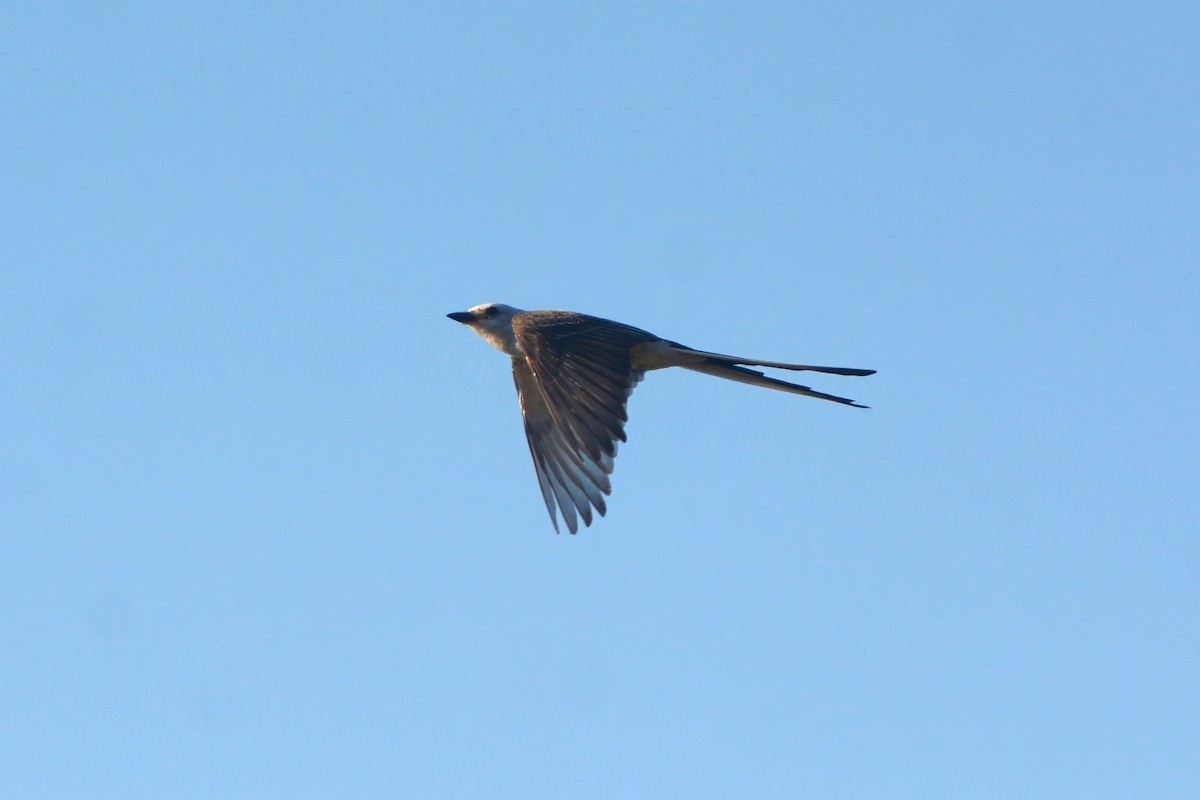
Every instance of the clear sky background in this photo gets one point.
(270, 527)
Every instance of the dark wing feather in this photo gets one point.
(573, 385)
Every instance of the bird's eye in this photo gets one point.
(491, 311)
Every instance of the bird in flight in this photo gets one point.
(574, 374)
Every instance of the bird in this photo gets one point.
(574, 374)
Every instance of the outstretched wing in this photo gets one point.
(573, 384)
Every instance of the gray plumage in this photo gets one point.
(574, 374)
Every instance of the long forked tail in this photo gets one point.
(727, 367)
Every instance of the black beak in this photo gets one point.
(461, 316)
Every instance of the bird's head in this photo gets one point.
(492, 321)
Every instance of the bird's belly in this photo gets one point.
(656, 355)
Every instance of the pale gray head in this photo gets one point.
(492, 321)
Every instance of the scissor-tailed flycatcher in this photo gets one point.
(574, 374)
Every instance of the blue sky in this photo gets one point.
(271, 528)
